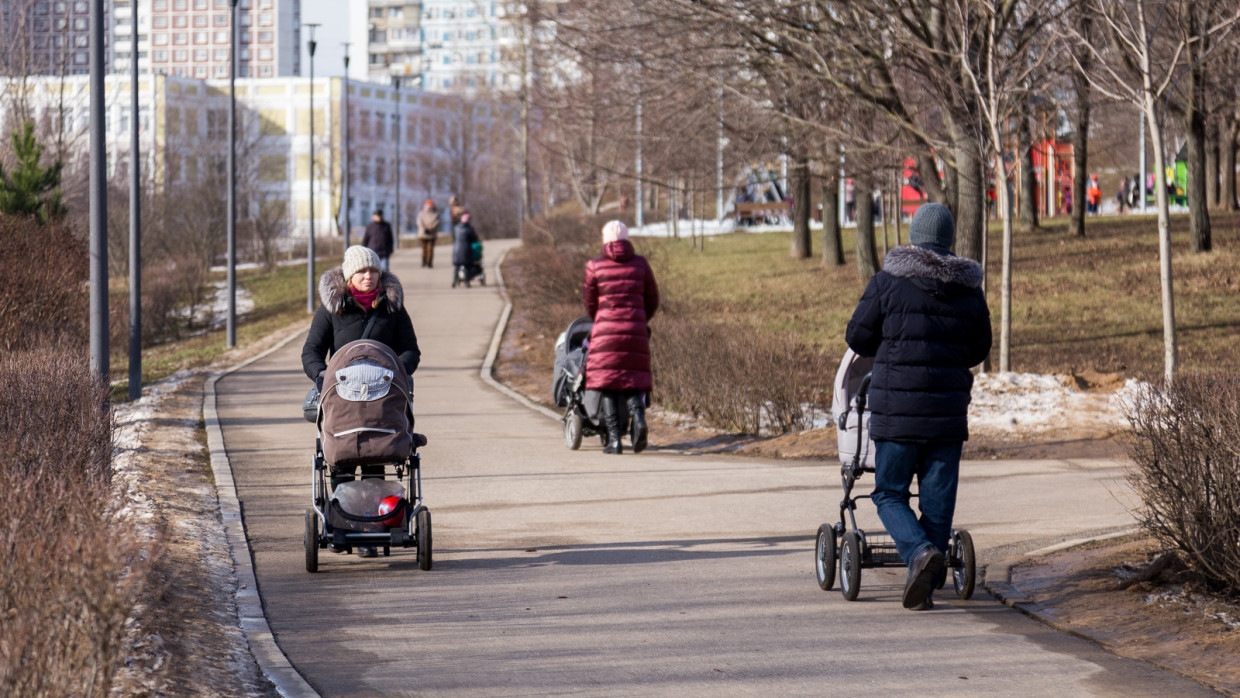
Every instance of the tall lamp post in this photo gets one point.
(231, 334)
(310, 248)
(345, 202)
(135, 220)
(396, 127)
(99, 358)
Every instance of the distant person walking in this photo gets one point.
(925, 321)
(1093, 195)
(456, 209)
(378, 237)
(428, 230)
(620, 296)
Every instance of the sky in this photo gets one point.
(333, 15)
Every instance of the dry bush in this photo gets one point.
(42, 299)
(737, 378)
(74, 565)
(1185, 449)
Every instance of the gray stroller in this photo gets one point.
(568, 386)
(844, 542)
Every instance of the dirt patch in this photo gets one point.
(1174, 625)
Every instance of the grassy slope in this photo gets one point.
(1078, 303)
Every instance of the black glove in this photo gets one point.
(318, 382)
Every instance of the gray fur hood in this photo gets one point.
(917, 262)
(334, 290)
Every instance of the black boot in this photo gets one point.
(611, 421)
(637, 410)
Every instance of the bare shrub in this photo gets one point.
(74, 566)
(42, 302)
(1185, 449)
(735, 377)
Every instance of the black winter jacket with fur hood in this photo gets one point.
(925, 321)
(340, 320)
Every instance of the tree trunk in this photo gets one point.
(1028, 183)
(1080, 156)
(928, 171)
(867, 255)
(802, 242)
(1170, 345)
(1213, 197)
(970, 210)
(1227, 158)
(832, 240)
(951, 188)
(1195, 125)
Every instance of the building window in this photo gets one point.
(200, 4)
(221, 37)
(265, 37)
(265, 71)
(180, 38)
(179, 5)
(159, 22)
(200, 21)
(200, 71)
(180, 22)
(244, 20)
(380, 168)
(201, 37)
(180, 55)
(245, 54)
(200, 55)
(264, 54)
(160, 56)
(264, 19)
(396, 12)
(159, 5)
(221, 71)
(220, 54)
(161, 39)
(221, 20)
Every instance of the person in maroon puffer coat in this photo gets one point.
(621, 296)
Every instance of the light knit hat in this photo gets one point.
(357, 258)
(932, 227)
(615, 230)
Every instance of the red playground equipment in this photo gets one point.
(1053, 194)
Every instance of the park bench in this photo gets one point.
(758, 209)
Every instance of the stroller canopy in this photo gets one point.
(366, 412)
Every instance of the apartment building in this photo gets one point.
(404, 146)
(50, 37)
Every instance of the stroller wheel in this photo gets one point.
(850, 565)
(482, 280)
(964, 572)
(572, 431)
(311, 540)
(824, 557)
(424, 539)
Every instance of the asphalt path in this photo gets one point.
(562, 572)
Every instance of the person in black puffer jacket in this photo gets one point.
(349, 294)
(925, 321)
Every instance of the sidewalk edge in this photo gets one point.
(488, 364)
(250, 617)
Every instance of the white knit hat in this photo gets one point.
(615, 230)
(357, 258)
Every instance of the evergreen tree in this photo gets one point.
(31, 189)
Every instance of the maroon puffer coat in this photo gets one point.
(621, 296)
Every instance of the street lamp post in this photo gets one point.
(396, 127)
(231, 334)
(135, 220)
(310, 248)
(99, 358)
(345, 201)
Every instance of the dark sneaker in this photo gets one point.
(332, 547)
(922, 574)
(367, 551)
(927, 605)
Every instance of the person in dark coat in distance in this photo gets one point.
(378, 237)
(925, 321)
(621, 296)
(358, 302)
(463, 238)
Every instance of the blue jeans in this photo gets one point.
(937, 469)
(383, 264)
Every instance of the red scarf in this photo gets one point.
(366, 300)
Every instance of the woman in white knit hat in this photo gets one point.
(359, 302)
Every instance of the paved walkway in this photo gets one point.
(561, 572)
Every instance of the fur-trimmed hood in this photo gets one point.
(334, 291)
(917, 262)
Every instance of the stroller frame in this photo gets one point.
(414, 531)
(849, 546)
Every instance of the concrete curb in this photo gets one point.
(250, 616)
(488, 364)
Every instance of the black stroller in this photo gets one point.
(852, 547)
(365, 419)
(568, 386)
(466, 273)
